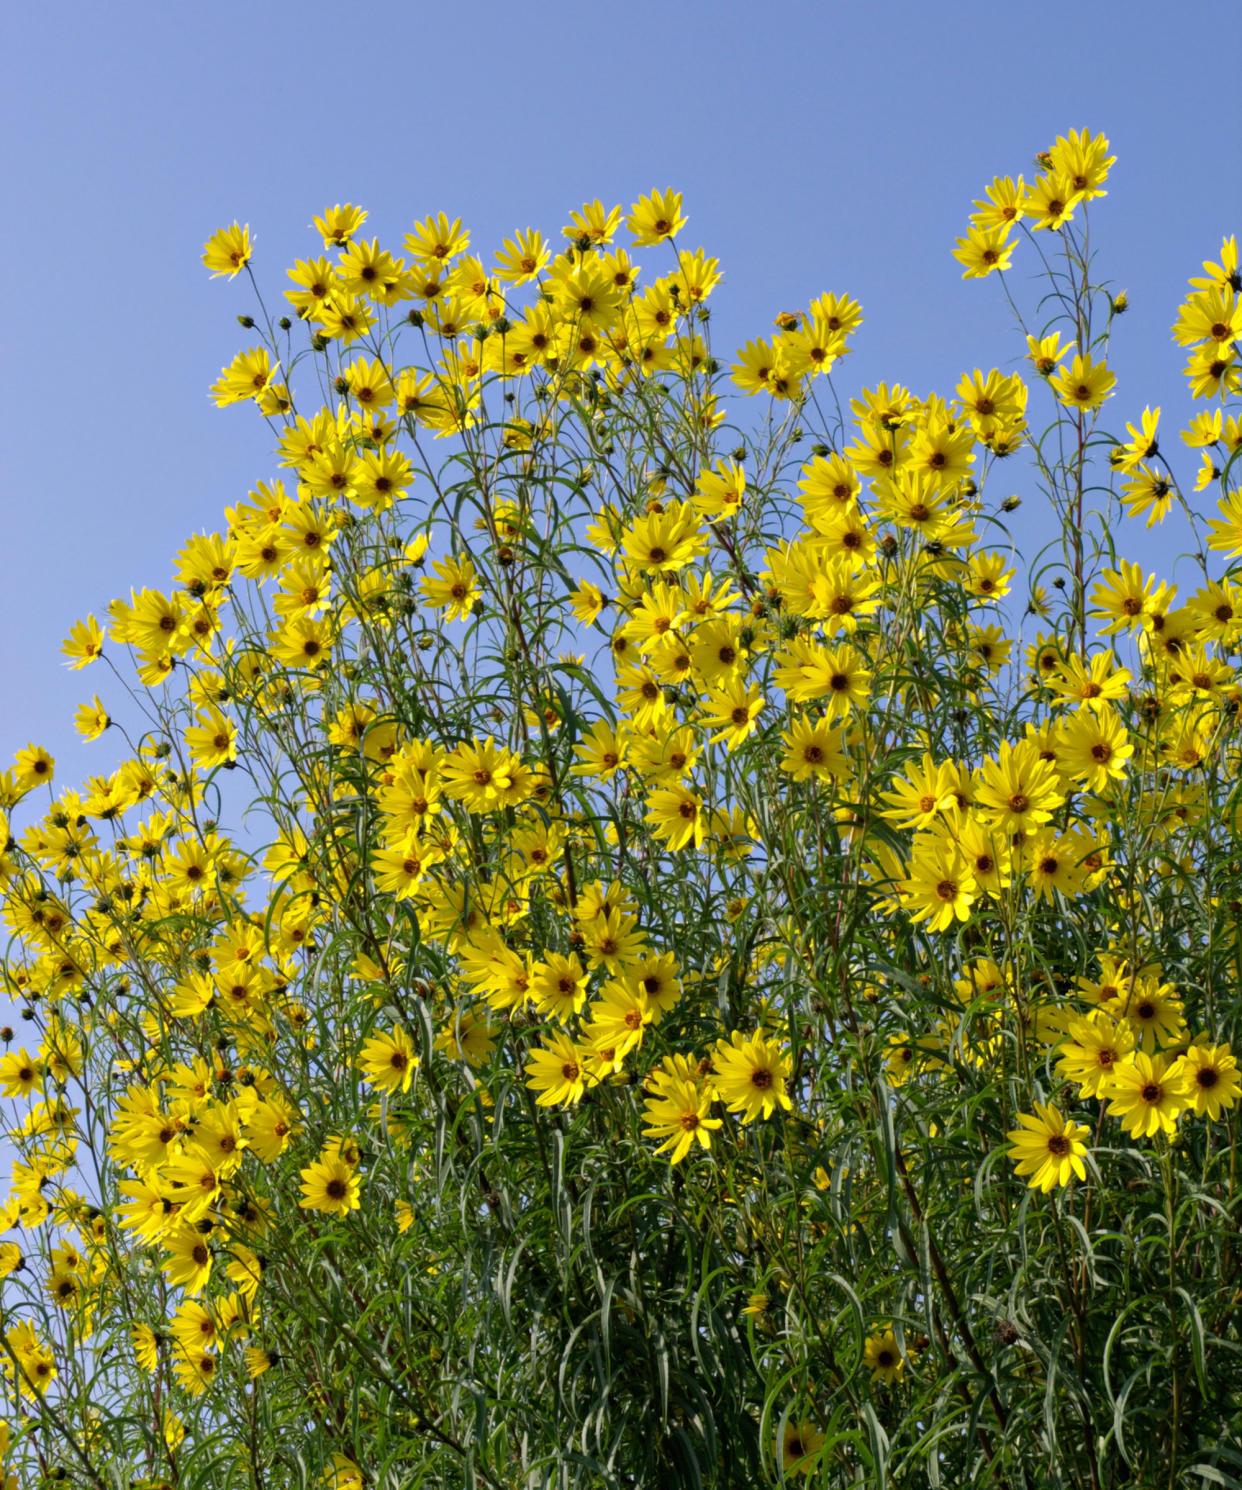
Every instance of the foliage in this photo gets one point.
(695, 993)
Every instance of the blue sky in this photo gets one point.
(818, 146)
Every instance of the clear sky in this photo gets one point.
(820, 146)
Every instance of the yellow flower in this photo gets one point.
(91, 719)
(468, 1036)
(485, 777)
(558, 986)
(258, 1361)
(330, 1185)
(1093, 746)
(1125, 600)
(984, 250)
(940, 887)
(812, 749)
(302, 643)
(1148, 1093)
(213, 740)
(522, 257)
(720, 492)
(146, 1346)
(1142, 444)
(388, 1061)
(403, 866)
(436, 239)
(812, 348)
(1149, 492)
(1094, 1046)
(808, 672)
(342, 1474)
(339, 224)
(1085, 384)
(1097, 683)
(1003, 206)
(679, 1113)
(32, 766)
(1154, 1013)
(618, 1021)
(1211, 1073)
(1048, 1147)
(1044, 353)
(558, 1072)
(84, 643)
(656, 218)
(228, 251)
(677, 817)
(663, 542)
(750, 1075)
(1083, 160)
(247, 376)
(1018, 790)
(594, 222)
(455, 589)
(800, 1446)
(1213, 369)
(188, 1261)
(922, 794)
(195, 1369)
(1050, 202)
(883, 1358)
(1213, 316)
(36, 1365)
(732, 711)
(1225, 534)
(345, 317)
(587, 601)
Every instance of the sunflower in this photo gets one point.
(800, 1445)
(751, 1072)
(330, 1185)
(1048, 1147)
(882, 1356)
(1211, 1073)
(1148, 1093)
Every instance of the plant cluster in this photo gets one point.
(719, 972)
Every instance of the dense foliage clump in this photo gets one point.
(633, 941)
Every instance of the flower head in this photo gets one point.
(1048, 1147)
(751, 1072)
(1148, 1093)
(228, 251)
(1211, 1074)
(882, 1356)
(388, 1061)
(330, 1185)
